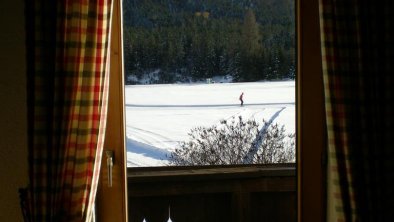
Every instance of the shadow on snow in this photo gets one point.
(145, 149)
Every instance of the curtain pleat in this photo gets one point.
(357, 52)
(67, 61)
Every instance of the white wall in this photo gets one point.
(13, 123)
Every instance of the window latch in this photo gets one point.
(110, 164)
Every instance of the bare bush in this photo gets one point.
(236, 142)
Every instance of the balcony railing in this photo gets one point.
(220, 193)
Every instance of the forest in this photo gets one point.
(192, 40)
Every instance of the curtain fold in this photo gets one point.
(68, 75)
(358, 56)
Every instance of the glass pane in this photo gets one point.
(209, 82)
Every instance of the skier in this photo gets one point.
(241, 98)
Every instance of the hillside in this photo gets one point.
(189, 40)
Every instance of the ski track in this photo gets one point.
(152, 134)
(239, 113)
(157, 145)
(150, 138)
(146, 149)
(205, 105)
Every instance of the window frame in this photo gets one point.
(111, 202)
(310, 123)
(310, 115)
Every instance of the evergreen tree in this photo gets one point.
(251, 45)
(210, 37)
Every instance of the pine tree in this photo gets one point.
(251, 38)
(171, 35)
(251, 47)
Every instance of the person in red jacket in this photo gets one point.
(241, 98)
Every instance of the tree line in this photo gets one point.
(193, 40)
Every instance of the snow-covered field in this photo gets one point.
(158, 117)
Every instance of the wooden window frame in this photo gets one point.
(310, 122)
(111, 202)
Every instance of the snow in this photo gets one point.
(158, 117)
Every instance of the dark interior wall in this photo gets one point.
(13, 123)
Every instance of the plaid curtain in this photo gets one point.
(68, 62)
(358, 56)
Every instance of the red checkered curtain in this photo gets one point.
(358, 56)
(68, 62)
